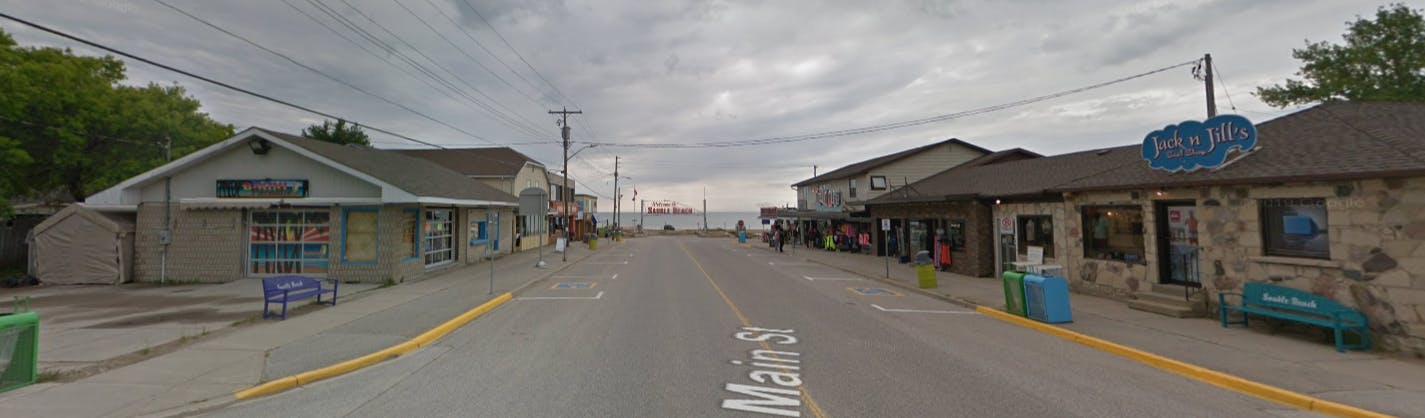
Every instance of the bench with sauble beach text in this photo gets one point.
(1297, 306)
(283, 289)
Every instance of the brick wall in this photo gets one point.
(207, 245)
(977, 257)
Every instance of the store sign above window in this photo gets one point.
(1194, 145)
(266, 188)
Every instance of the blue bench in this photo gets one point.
(1298, 306)
(283, 289)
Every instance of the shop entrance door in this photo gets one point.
(1177, 244)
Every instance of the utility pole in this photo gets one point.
(564, 194)
(1207, 81)
(165, 236)
(640, 214)
(705, 209)
(617, 197)
(813, 170)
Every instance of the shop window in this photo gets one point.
(439, 232)
(955, 233)
(852, 186)
(1295, 228)
(479, 230)
(1037, 231)
(1113, 233)
(878, 183)
(359, 236)
(410, 229)
(288, 242)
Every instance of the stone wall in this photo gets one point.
(977, 257)
(1376, 230)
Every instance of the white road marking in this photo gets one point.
(615, 277)
(618, 263)
(773, 263)
(922, 310)
(834, 279)
(598, 296)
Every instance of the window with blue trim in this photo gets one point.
(479, 232)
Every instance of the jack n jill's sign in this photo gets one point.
(1193, 145)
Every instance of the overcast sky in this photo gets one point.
(696, 71)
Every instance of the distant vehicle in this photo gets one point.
(667, 227)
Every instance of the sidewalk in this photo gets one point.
(1372, 381)
(205, 374)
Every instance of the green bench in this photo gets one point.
(1297, 306)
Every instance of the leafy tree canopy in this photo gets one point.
(69, 127)
(338, 133)
(1382, 60)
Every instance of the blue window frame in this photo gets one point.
(480, 232)
(361, 244)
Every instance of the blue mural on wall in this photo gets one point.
(1193, 145)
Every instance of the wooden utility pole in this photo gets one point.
(617, 197)
(1207, 81)
(564, 194)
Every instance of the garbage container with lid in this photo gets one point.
(925, 270)
(1013, 292)
(19, 347)
(593, 242)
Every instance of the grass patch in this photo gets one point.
(388, 283)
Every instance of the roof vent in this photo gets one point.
(1102, 151)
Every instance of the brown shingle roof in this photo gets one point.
(1029, 176)
(417, 176)
(476, 162)
(1331, 141)
(867, 165)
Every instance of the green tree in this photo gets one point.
(1382, 60)
(80, 129)
(338, 133)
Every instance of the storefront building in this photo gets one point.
(502, 168)
(264, 203)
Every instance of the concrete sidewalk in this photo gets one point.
(1373, 381)
(205, 374)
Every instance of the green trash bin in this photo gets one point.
(1014, 292)
(593, 243)
(925, 270)
(19, 347)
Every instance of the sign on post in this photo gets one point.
(1006, 225)
(885, 224)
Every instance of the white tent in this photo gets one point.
(80, 245)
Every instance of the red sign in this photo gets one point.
(769, 213)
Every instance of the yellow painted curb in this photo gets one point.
(426, 338)
(1213, 377)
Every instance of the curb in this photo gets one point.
(425, 339)
(1212, 377)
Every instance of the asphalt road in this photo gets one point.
(660, 327)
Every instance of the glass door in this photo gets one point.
(1178, 244)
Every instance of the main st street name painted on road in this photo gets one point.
(785, 373)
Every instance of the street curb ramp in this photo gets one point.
(1213, 377)
(427, 338)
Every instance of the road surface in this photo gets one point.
(686, 326)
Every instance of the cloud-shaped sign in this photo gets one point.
(1192, 145)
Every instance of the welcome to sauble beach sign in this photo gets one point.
(1193, 145)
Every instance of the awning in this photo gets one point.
(205, 203)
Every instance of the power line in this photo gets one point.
(368, 51)
(894, 125)
(491, 54)
(498, 115)
(1223, 83)
(518, 54)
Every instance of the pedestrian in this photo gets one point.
(784, 236)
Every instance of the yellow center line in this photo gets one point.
(806, 395)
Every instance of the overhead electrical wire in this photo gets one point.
(225, 85)
(319, 72)
(889, 126)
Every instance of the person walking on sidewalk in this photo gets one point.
(785, 236)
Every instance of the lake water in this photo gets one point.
(726, 220)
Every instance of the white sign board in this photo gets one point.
(559, 245)
(885, 224)
(1006, 225)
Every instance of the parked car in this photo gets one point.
(667, 227)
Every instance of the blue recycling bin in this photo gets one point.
(1046, 299)
(741, 237)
